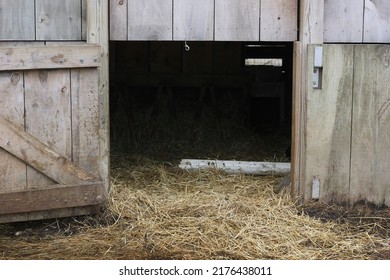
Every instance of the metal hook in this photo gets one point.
(186, 46)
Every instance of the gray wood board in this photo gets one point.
(193, 20)
(370, 160)
(328, 131)
(237, 20)
(58, 20)
(150, 20)
(17, 20)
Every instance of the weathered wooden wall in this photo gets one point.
(348, 124)
(48, 20)
(358, 21)
(204, 20)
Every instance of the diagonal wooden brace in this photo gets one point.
(30, 150)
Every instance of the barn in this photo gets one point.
(317, 69)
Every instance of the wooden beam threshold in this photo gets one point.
(30, 150)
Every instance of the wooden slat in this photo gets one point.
(376, 21)
(310, 32)
(370, 159)
(328, 132)
(58, 20)
(193, 20)
(150, 20)
(97, 33)
(85, 119)
(343, 20)
(296, 125)
(16, 141)
(24, 58)
(84, 20)
(53, 197)
(12, 170)
(17, 20)
(237, 20)
(48, 114)
(279, 20)
(50, 214)
(118, 20)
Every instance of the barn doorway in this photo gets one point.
(208, 100)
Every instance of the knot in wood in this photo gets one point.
(15, 78)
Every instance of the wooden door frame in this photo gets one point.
(311, 28)
(97, 33)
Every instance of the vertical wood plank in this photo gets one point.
(310, 32)
(370, 159)
(48, 114)
(58, 20)
(295, 122)
(278, 20)
(12, 170)
(343, 21)
(85, 119)
(97, 33)
(17, 20)
(118, 20)
(377, 21)
(328, 132)
(150, 20)
(237, 20)
(84, 20)
(193, 20)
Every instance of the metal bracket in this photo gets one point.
(315, 188)
(318, 65)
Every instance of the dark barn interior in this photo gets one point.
(210, 100)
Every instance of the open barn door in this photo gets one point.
(348, 123)
(53, 144)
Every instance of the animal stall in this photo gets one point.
(209, 66)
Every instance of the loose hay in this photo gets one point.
(156, 211)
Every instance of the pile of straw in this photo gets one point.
(156, 211)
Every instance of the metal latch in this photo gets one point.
(318, 65)
(315, 188)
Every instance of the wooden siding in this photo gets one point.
(358, 21)
(328, 132)
(348, 121)
(237, 20)
(118, 17)
(377, 21)
(12, 170)
(150, 20)
(193, 20)
(278, 20)
(47, 20)
(17, 20)
(370, 159)
(343, 21)
(203, 20)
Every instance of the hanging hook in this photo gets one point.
(186, 46)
